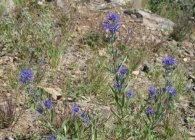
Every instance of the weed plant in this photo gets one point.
(7, 113)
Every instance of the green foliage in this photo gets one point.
(135, 57)
(93, 39)
(181, 12)
(30, 33)
(96, 81)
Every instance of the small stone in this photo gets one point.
(192, 77)
(135, 73)
(192, 134)
(54, 92)
(102, 52)
(156, 55)
(40, 2)
(185, 59)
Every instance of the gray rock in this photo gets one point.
(192, 134)
(97, 5)
(153, 21)
(56, 93)
(134, 3)
(136, 73)
(137, 3)
(191, 77)
(121, 2)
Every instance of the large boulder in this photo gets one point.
(152, 20)
(121, 2)
(134, 3)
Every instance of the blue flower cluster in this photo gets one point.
(130, 93)
(152, 92)
(85, 117)
(119, 79)
(150, 111)
(118, 85)
(48, 104)
(52, 137)
(168, 63)
(40, 110)
(113, 23)
(75, 111)
(25, 76)
(171, 90)
(123, 70)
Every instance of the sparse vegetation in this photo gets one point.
(100, 88)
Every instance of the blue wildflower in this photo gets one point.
(150, 111)
(123, 70)
(152, 92)
(48, 104)
(112, 23)
(85, 117)
(118, 85)
(130, 93)
(52, 137)
(25, 76)
(113, 17)
(75, 109)
(168, 63)
(40, 110)
(171, 90)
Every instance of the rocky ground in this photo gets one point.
(140, 29)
